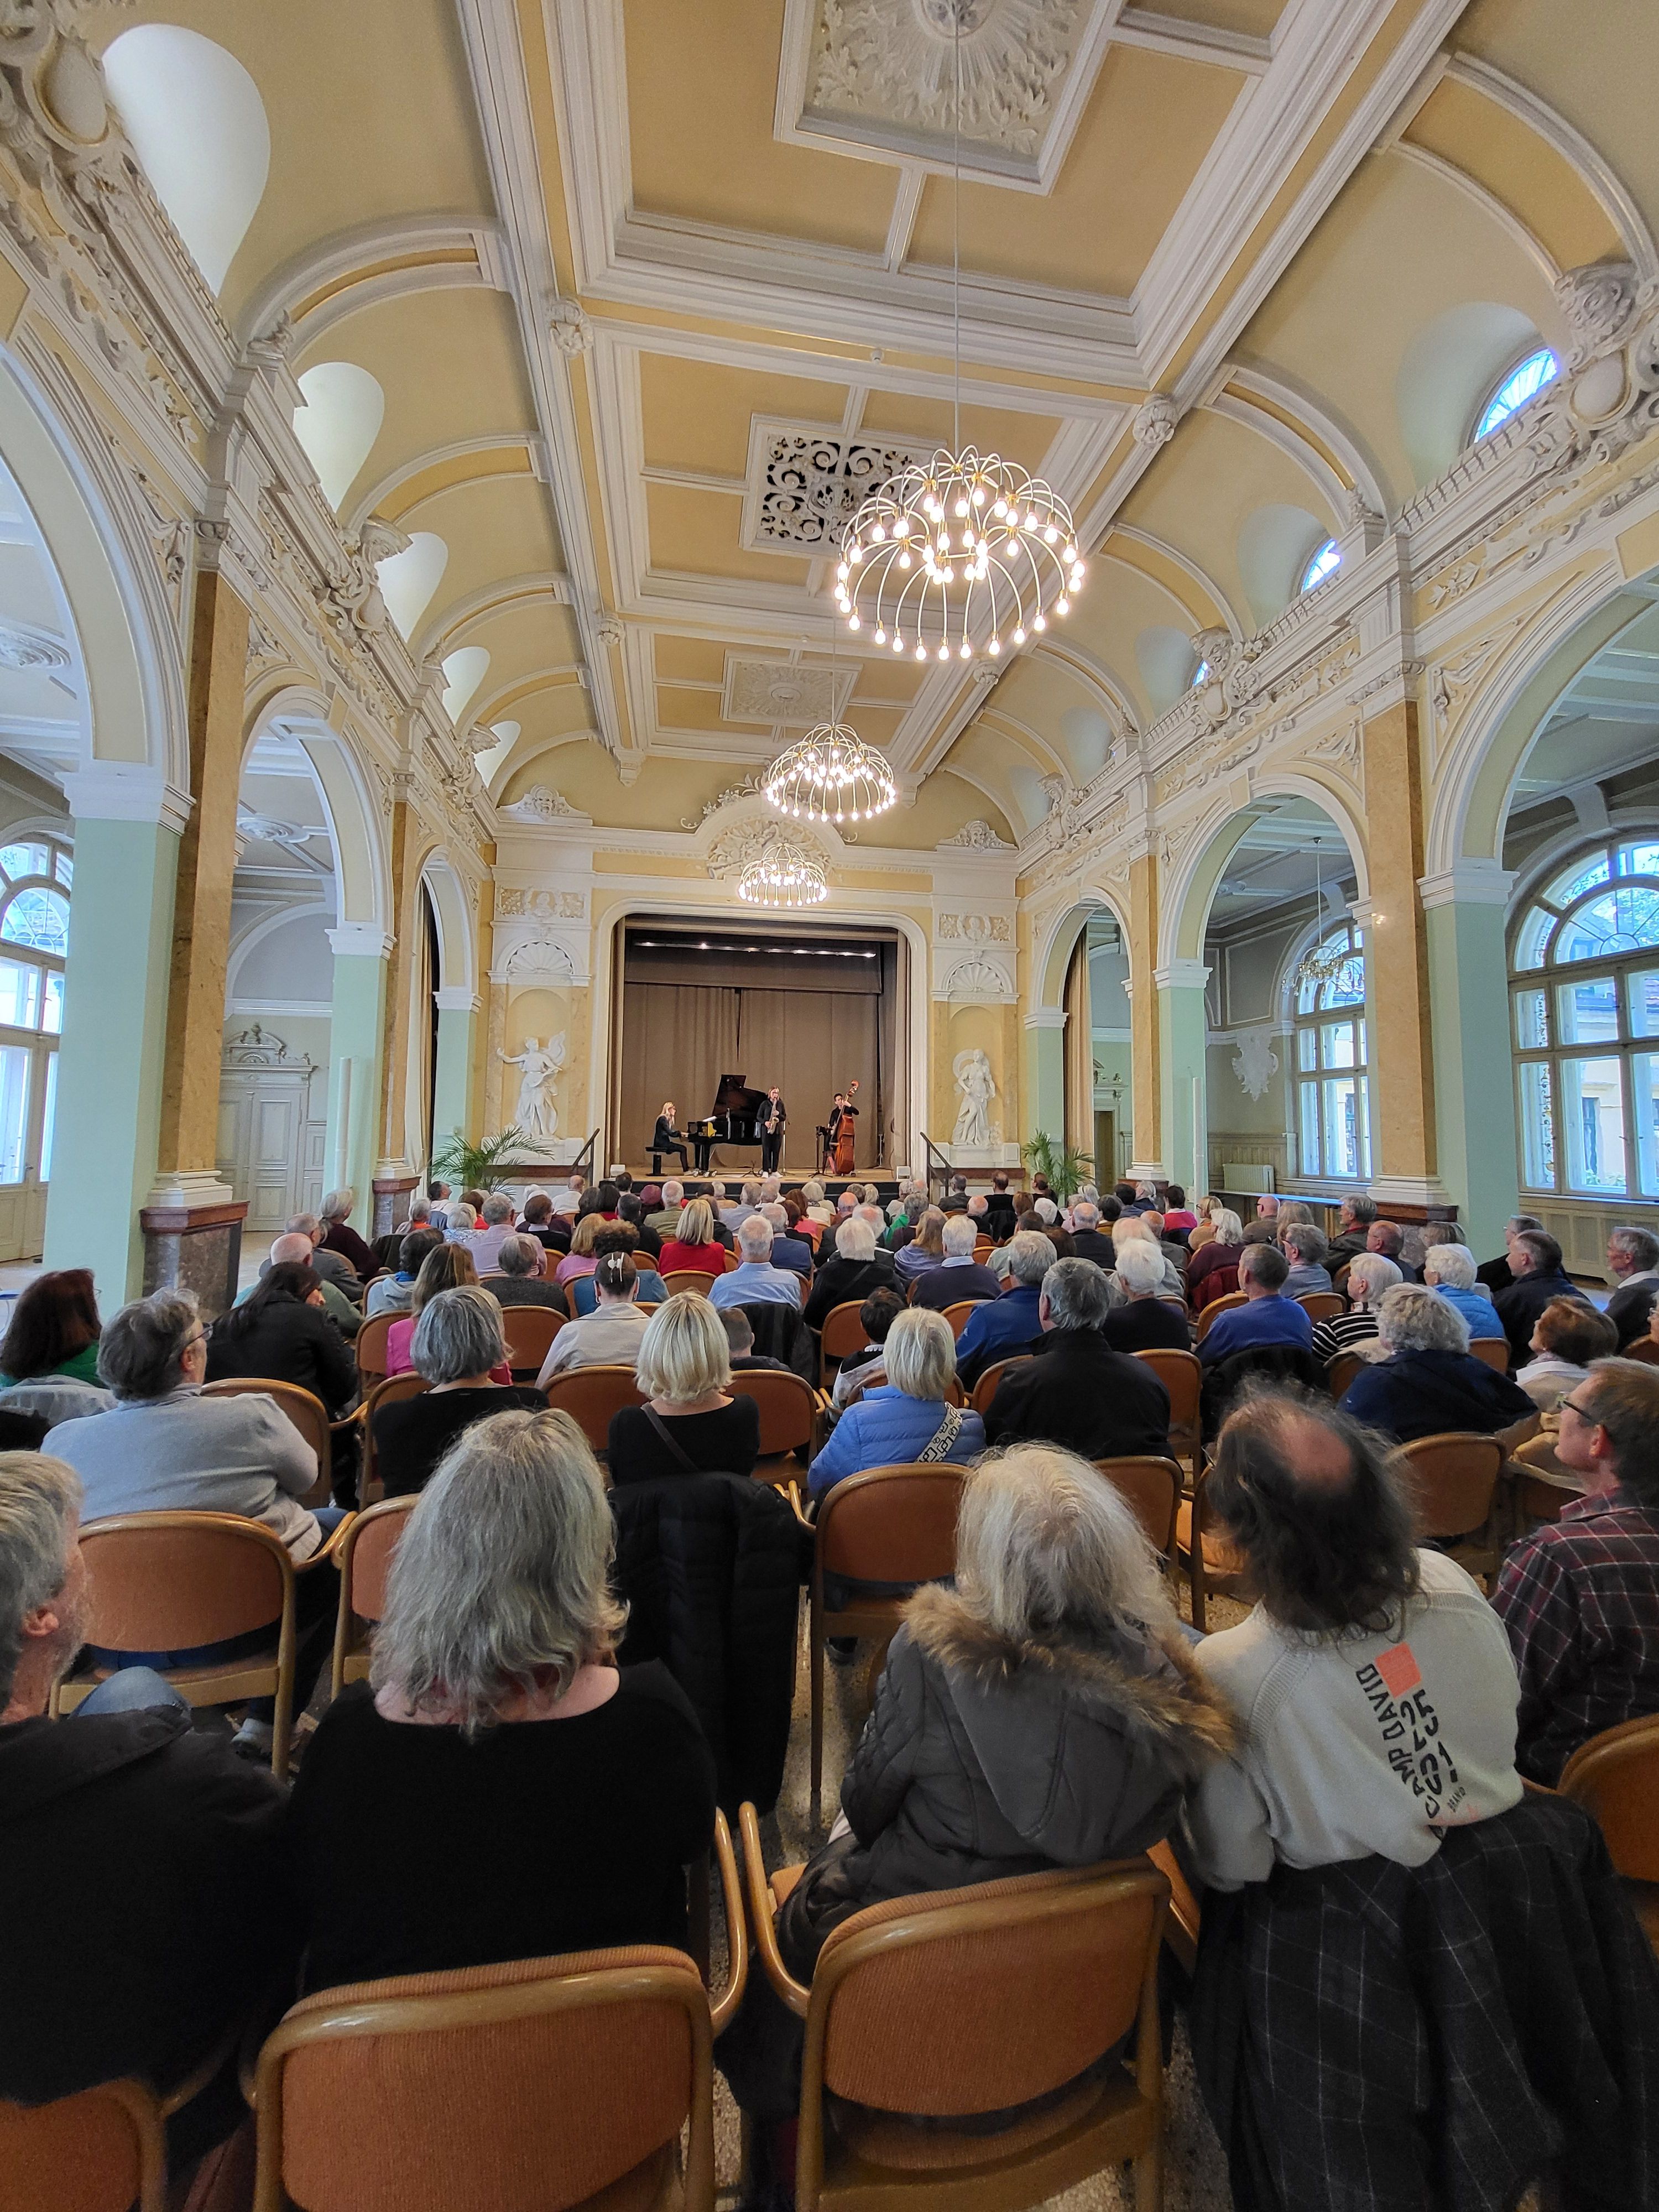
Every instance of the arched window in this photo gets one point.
(1325, 563)
(1584, 997)
(1522, 383)
(1333, 1125)
(1200, 675)
(36, 876)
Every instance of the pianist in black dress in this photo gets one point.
(666, 1138)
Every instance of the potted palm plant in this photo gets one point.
(484, 1166)
(1065, 1167)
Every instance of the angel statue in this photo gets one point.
(535, 1113)
(977, 1086)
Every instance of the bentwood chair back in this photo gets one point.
(529, 1331)
(171, 1582)
(1184, 1379)
(1615, 1776)
(369, 1345)
(1340, 1368)
(954, 1392)
(986, 1388)
(387, 1392)
(889, 1524)
(791, 1421)
(365, 1562)
(983, 1248)
(308, 1414)
(842, 1333)
(1210, 1564)
(1321, 1305)
(961, 1314)
(1495, 1351)
(101, 2150)
(590, 1396)
(970, 2001)
(1454, 1480)
(1152, 1487)
(1207, 1318)
(687, 1278)
(430, 2093)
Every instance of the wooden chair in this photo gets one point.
(1455, 1480)
(170, 1581)
(986, 1388)
(1221, 1305)
(1339, 1277)
(369, 1345)
(308, 1414)
(889, 1524)
(1181, 1929)
(1152, 1486)
(954, 1392)
(1321, 1305)
(590, 1396)
(529, 1331)
(842, 1333)
(791, 1422)
(959, 1314)
(1211, 1564)
(101, 2150)
(387, 1392)
(1615, 1776)
(732, 1263)
(972, 2001)
(365, 1560)
(1495, 1351)
(687, 1278)
(1341, 1369)
(983, 1248)
(1184, 1379)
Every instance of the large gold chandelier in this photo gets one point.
(782, 878)
(830, 775)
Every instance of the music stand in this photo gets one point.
(825, 1154)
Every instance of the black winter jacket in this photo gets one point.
(287, 1341)
(985, 1757)
(711, 1567)
(847, 1282)
(1079, 1393)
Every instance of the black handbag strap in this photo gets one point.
(677, 1450)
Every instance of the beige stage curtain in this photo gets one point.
(1079, 1051)
(678, 1040)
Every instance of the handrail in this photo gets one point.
(583, 1163)
(944, 1170)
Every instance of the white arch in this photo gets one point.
(361, 871)
(458, 951)
(1051, 960)
(1185, 899)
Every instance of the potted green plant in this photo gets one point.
(484, 1166)
(1065, 1166)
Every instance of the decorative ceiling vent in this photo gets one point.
(805, 481)
(783, 693)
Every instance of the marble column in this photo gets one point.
(356, 1062)
(1045, 1071)
(458, 1008)
(1146, 1035)
(1466, 908)
(1183, 1037)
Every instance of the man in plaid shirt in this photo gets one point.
(1581, 1599)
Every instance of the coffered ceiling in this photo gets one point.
(653, 290)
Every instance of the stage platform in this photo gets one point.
(735, 1178)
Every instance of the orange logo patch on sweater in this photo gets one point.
(1399, 1668)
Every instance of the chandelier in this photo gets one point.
(784, 878)
(830, 775)
(964, 552)
(961, 550)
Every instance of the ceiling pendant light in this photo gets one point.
(966, 553)
(783, 877)
(830, 775)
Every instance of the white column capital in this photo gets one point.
(457, 999)
(360, 940)
(1181, 975)
(1046, 1017)
(126, 791)
(1466, 883)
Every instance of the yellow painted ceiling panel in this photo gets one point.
(1152, 118)
(680, 709)
(496, 530)
(943, 803)
(694, 660)
(700, 124)
(1022, 438)
(1519, 167)
(698, 413)
(696, 533)
(1253, 19)
(529, 636)
(457, 469)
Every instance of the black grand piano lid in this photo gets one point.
(735, 1097)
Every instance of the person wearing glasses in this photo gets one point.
(1579, 1597)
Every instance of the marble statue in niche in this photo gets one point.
(976, 1088)
(536, 1114)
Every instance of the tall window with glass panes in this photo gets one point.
(1584, 1001)
(1333, 1120)
(36, 875)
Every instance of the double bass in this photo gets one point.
(841, 1119)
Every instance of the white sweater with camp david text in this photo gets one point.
(1367, 1743)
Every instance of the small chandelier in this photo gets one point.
(956, 556)
(784, 878)
(831, 776)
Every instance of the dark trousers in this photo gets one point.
(771, 1151)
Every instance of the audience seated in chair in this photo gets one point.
(1144, 1320)
(790, 1249)
(508, 1793)
(332, 1267)
(619, 1239)
(1449, 1270)
(693, 1248)
(392, 1293)
(1580, 1597)
(740, 1345)
(166, 1448)
(460, 1352)
(282, 1333)
(1078, 1392)
(960, 1278)
(1001, 1328)
(1046, 1712)
(1369, 1275)
(1088, 1240)
(1303, 1245)
(1220, 1256)
(1427, 1383)
(1268, 1316)
(609, 1335)
(1567, 1337)
(551, 1230)
(846, 1279)
(1539, 1276)
(339, 1235)
(52, 1331)
(1382, 1870)
(692, 1422)
(1353, 1227)
(925, 1250)
(904, 1418)
(144, 1859)
(755, 1281)
(519, 1281)
(449, 1269)
(1633, 1263)
(579, 1260)
(862, 1369)
(1388, 1238)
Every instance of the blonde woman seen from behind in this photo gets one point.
(693, 1422)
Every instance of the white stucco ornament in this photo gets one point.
(1255, 1063)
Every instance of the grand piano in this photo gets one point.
(735, 1119)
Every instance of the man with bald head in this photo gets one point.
(294, 1249)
